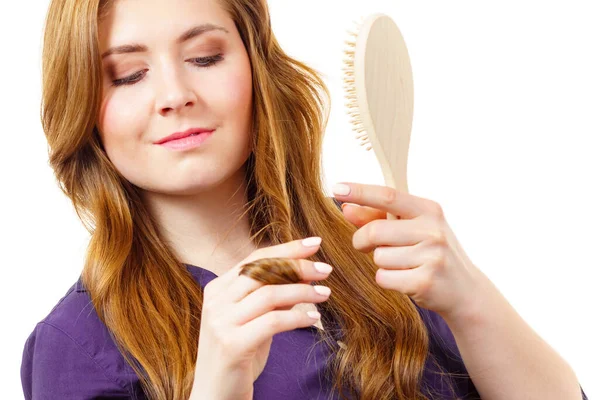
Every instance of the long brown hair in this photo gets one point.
(144, 295)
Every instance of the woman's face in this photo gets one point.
(199, 80)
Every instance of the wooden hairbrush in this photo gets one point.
(378, 85)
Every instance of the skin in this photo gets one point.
(195, 195)
(419, 256)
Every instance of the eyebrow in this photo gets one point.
(185, 36)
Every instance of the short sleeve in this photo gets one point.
(54, 366)
(444, 349)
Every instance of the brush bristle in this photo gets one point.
(349, 85)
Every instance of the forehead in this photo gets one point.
(146, 20)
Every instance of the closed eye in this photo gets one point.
(200, 62)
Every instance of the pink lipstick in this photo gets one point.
(188, 139)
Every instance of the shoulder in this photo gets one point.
(71, 354)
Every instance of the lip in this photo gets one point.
(179, 135)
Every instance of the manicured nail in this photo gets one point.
(314, 314)
(312, 241)
(323, 268)
(341, 189)
(322, 290)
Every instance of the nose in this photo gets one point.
(175, 95)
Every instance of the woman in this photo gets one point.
(208, 228)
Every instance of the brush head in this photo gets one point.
(379, 88)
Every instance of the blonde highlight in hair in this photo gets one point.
(149, 302)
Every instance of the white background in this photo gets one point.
(505, 138)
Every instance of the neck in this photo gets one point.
(206, 229)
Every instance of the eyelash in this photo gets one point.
(205, 62)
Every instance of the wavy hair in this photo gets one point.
(145, 296)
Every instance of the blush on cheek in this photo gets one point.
(118, 119)
(109, 118)
(238, 91)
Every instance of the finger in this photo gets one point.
(271, 297)
(411, 282)
(244, 285)
(399, 257)
(361, 215)
(389, 233)
(264, 327)
(294, 249)
(385, 198)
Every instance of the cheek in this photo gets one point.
(118, 122)
(238, 95)
(240, 89)
(119, 128)
(235, 93)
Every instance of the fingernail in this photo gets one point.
(312, 241)
(323, 268)
(322, 290)
(341, 189)
(314, 314)
(344, 205)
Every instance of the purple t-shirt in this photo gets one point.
(70, 355)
